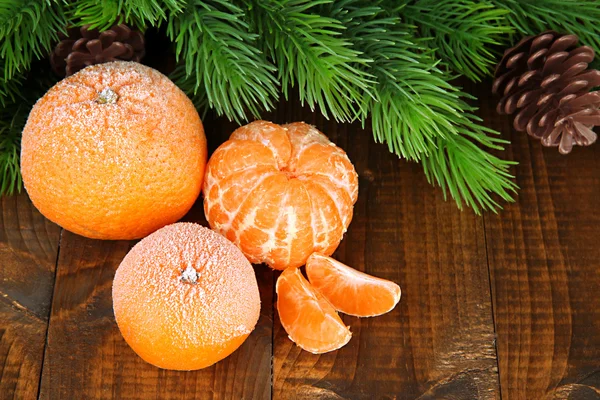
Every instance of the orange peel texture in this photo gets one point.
(185, 297)
(114, 151)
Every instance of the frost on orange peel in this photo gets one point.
(115, 151)
(307, 317)
(185, 297)
(350, 291)
(280, 193)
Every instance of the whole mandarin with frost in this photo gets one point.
(114, 151)
(185, 297)
(280, 193)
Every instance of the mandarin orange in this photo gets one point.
(308, 318)
(350, 291)
(185, 297)
(115, 151)
(280, 192)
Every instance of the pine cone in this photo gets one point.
(84, 47)
(545, 77)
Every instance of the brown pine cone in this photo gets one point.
(545, 78)
(84, 47)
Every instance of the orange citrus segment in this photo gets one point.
(269, 134)
(350, 291)
(326, 221)
(307, 317)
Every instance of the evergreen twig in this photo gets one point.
(464, 33)
(102, 14)
(386, 60)
(27, 30)
(310, 52)
(221, 62)
(420, 114)
(579, 17)
(12, 121)
(10, 89)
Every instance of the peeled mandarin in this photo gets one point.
(114, 151)
(308, 318)
(280, 192)
(185, 297)
(350, 291)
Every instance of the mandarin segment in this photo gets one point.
(238, 155)
(273, 136)
(253, 226)
(280, 192)
(232, 192)
(114, 169)
(312, 151)
(327, 225)
(350, 291)
(308, 318)
(185, 297)
(292, 237)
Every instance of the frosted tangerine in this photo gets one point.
(350, 291)
(280, 192)
(114, 151)
(185, 297)
(308, 318)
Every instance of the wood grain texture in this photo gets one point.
(544, 259)
(28, 249)
(439, 341)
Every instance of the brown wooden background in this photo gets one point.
(500, 306)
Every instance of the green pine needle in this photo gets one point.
(12, 121)
(221, 62)
(463, 32)
(10, 90)
(310, 52)
(102, 14)
(28, 28)
(420, 115)
(532, 17)
(468, 172)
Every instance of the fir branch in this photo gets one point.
(220, 59)
(27, 30)
(10, 89)
(102, 14)
(579, 17)
(463, 32)
(420, 114)
(469, 172)
(310, 52)
(12, 121)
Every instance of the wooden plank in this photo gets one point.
(86, 356)
(439, 342)
(28, 250)
(543, 253)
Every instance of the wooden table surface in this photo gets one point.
(505, 305)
